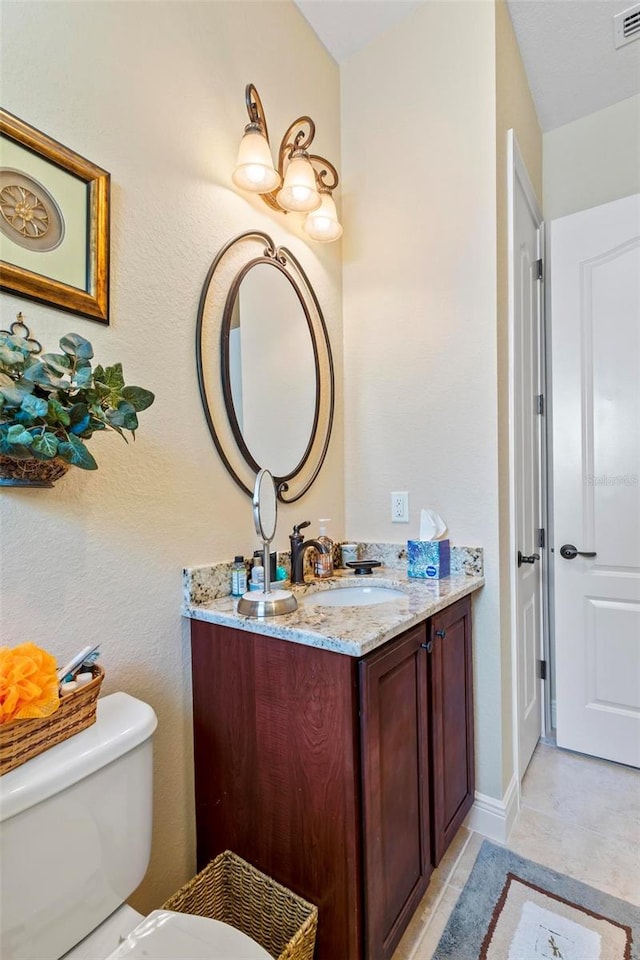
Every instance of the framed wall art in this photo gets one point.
(54, 222)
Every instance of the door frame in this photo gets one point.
(517, 171)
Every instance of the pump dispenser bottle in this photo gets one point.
(324, 561)
(257, 575)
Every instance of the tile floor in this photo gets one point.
(578, 815)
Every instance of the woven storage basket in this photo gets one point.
(231, 890)
(23, 739)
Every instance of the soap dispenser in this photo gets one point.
(323, 566)
(257, 575)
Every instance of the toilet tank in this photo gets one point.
(75, 832)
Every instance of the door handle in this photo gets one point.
(569, 552)
(428, 646)
(522, 559)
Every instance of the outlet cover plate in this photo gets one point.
(399, 507)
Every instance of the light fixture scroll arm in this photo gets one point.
(295, 138)
(255, 108)
(326, 169)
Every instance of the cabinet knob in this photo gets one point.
(441, 633)
(427, 646)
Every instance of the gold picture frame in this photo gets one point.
(47, 188)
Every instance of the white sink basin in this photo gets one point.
(353, 596)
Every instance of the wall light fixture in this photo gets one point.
(301, 176)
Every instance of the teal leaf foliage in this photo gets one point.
(75, 452)
(35, 406)
(57, 413)
(76, 346)
(123, 416)
(79, 418)
(39, 374)
(18, 436)
(13, 391)
(138, 397)
(83, 377)
(46, 444)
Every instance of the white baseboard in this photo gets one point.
(495, 818)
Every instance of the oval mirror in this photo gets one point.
(265, 506)
(265, 369)
(269, 368)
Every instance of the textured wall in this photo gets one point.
(515, 110)
(592, 160)
(154, 93)
(418, 114)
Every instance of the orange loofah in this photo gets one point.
(28, 683)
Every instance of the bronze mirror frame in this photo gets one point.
(215, 310)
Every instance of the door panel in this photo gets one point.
(613, 655)
(529, 698)
(595, 328)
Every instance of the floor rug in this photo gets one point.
(514, 909)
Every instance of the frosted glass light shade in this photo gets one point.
(322, 224)
(254, 170)
(299, 187)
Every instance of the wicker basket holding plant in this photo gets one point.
(52, 403)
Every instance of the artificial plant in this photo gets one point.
(52, 403)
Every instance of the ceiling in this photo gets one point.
(566, 45)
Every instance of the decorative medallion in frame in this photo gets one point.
(54, 222)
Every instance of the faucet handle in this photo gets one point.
(297, 527)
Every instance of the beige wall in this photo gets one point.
(514, 110)
(155, 94)
(418, 166)
(592, 160)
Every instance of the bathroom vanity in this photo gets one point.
(341, 768)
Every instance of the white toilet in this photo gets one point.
(75, 839)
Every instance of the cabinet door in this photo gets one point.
(394, 737)
(451, 699)
(276, 770)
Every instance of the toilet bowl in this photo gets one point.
(75, 841)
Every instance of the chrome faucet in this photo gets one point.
(298, 549)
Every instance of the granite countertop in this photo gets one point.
(352, 630)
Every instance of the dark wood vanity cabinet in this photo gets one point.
(344, 779)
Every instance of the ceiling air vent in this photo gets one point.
(626, 26)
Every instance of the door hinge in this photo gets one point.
(542, 669)
(541, 537)
(539, 271)
(540, 404)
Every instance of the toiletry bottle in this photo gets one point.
(238, 577)
(324, 561)
(257, 575)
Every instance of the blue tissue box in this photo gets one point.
(429, 559)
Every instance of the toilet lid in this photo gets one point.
(165, 935)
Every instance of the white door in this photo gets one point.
(526, 433)
(595, 344)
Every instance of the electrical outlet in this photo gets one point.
(400, 507)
